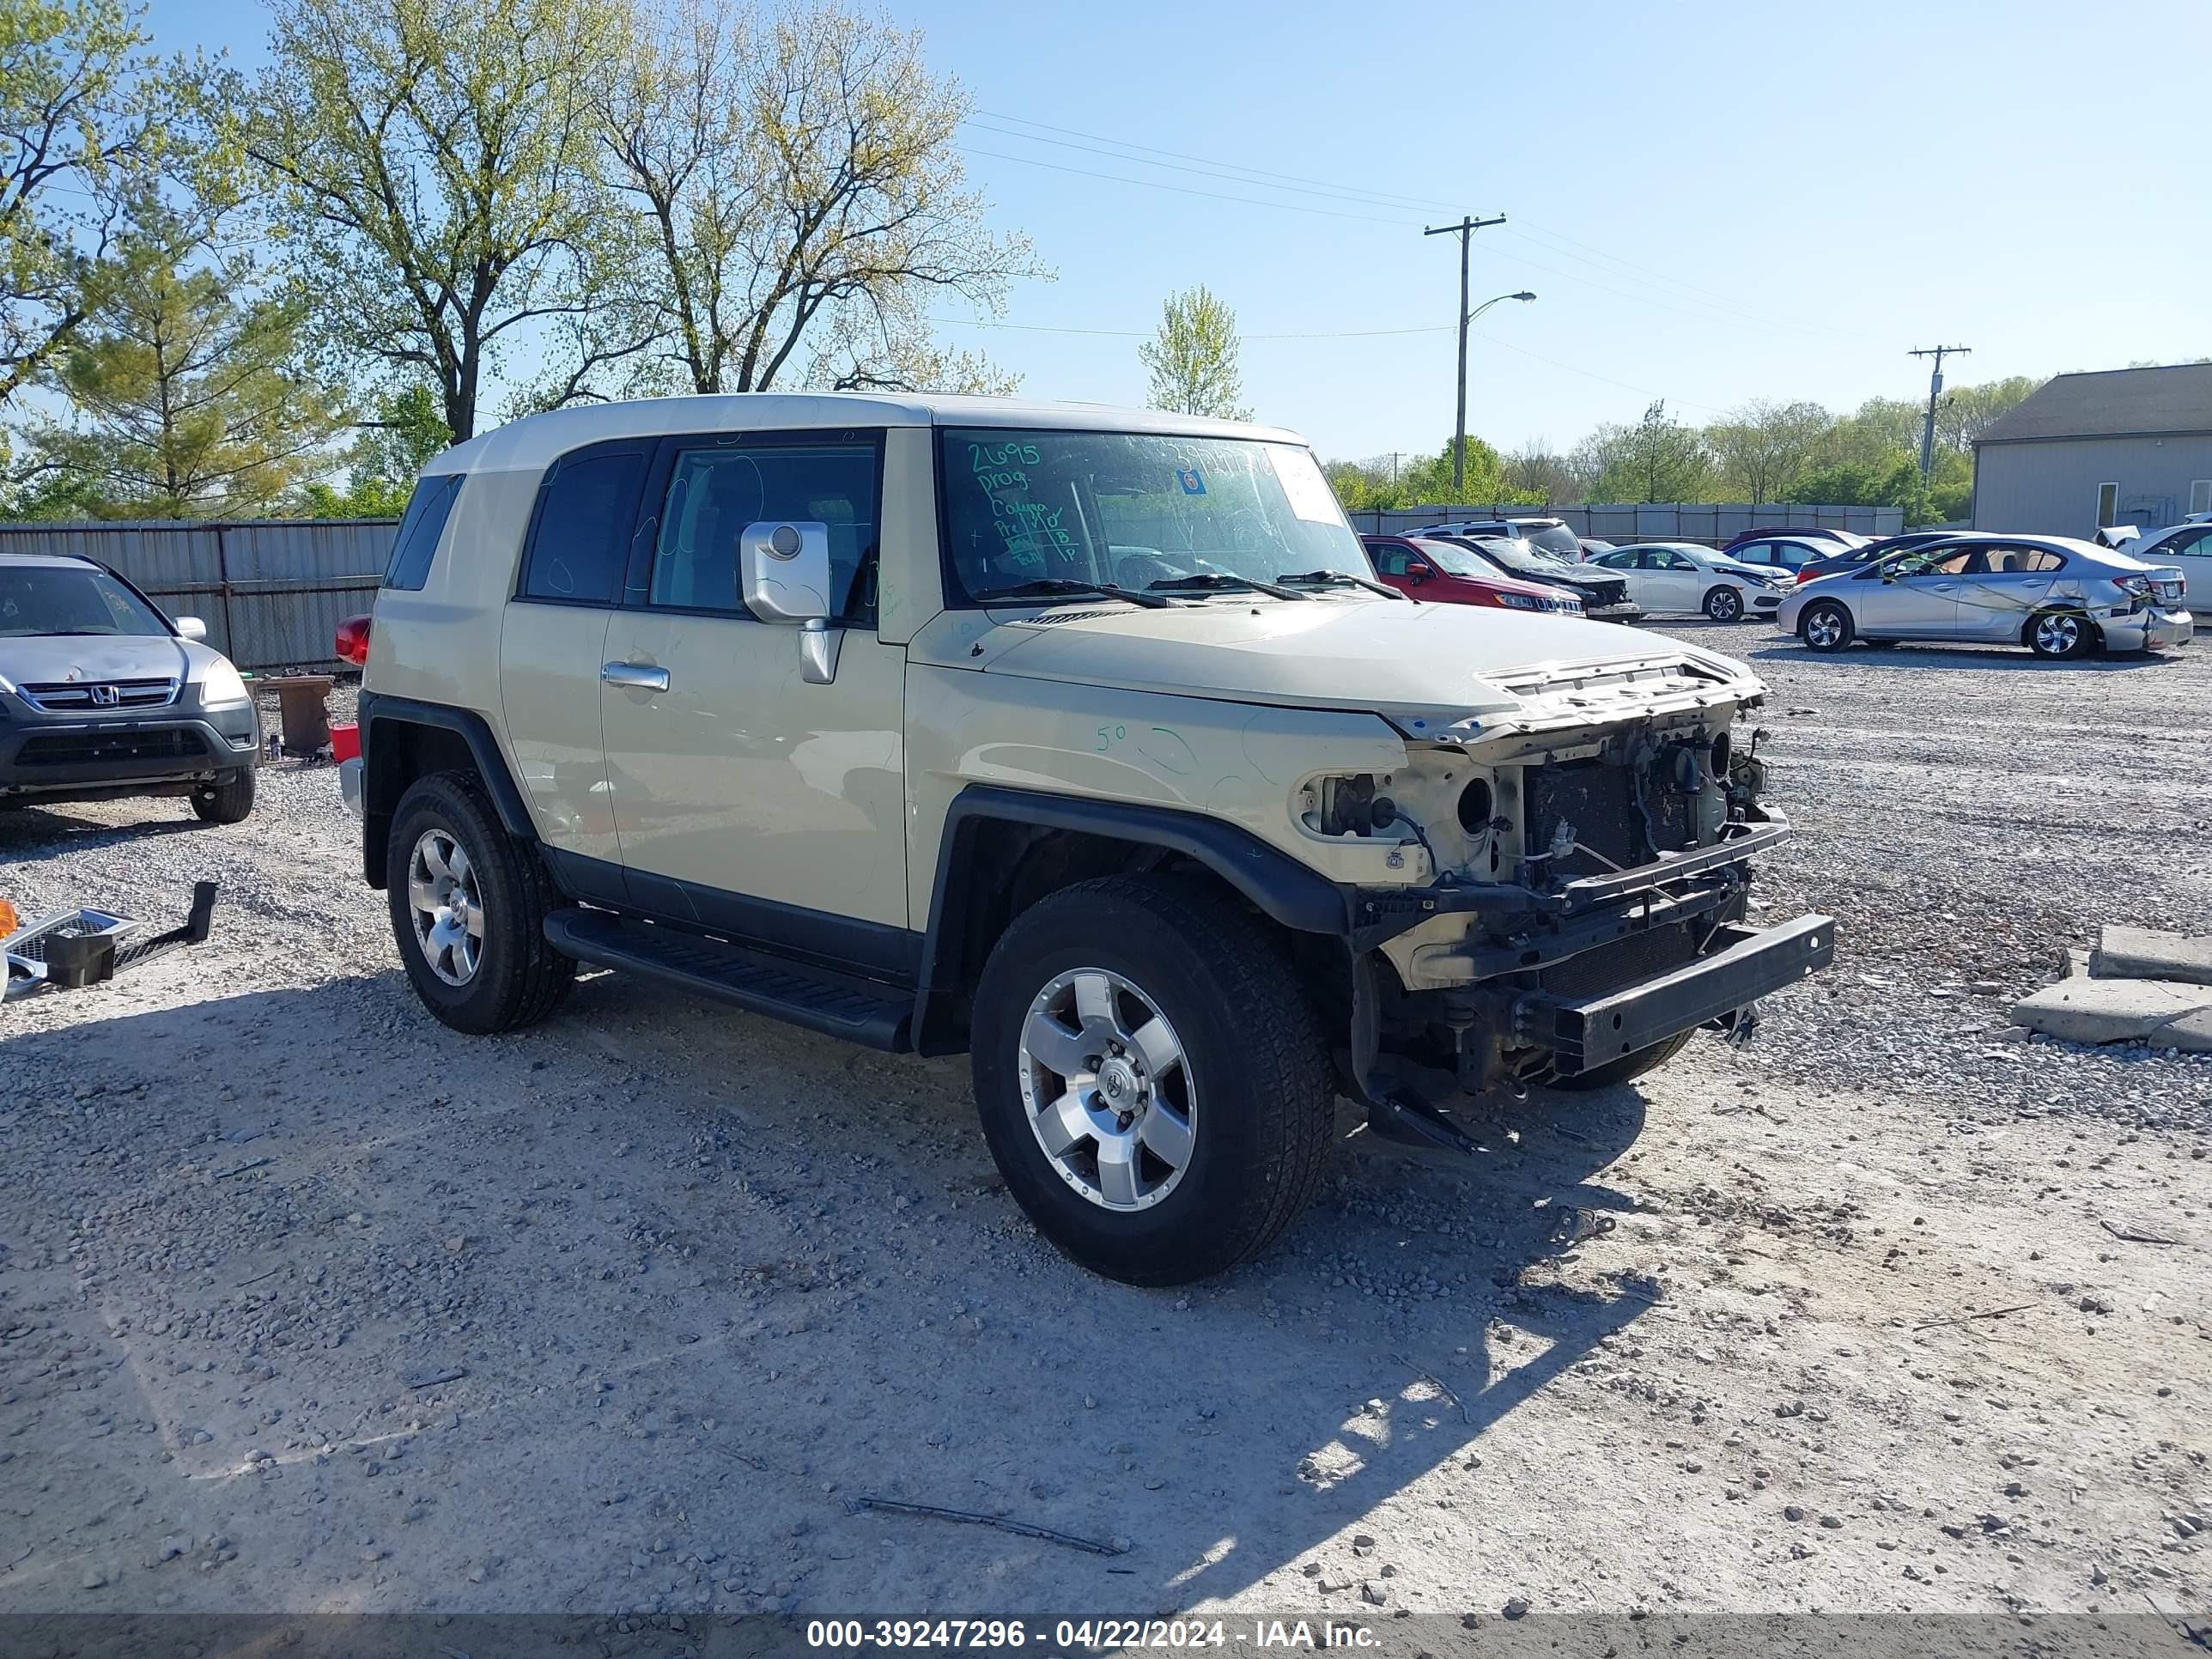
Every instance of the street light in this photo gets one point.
(1459, 447)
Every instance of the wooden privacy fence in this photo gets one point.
(271, 592)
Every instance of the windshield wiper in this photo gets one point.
(1055, 586)
(1213, 581)
(1323, 578)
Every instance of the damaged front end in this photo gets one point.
(1579, 874)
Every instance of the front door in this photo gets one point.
(748, 798)
(1915, 597)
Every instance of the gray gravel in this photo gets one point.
(1968, 815)
(308, 1304)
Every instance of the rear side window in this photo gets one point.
(424, 522)
(580, 536)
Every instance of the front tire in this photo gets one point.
(468, 904)
(2061, 635)
(1825, 627)
(1724, 605)
(1152, 1083)
(227, 800)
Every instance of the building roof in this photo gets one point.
(2115, 402)
(535, 440)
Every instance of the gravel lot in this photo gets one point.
(309, 1304)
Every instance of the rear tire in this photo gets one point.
(227, 800)
(468, 904)
(1825, 627)
(1628, 1066)
(1724, 605)
(2060, 635)
(1165, 1170)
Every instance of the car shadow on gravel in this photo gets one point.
(748, 1275)
(55, 829)
(1962, 656)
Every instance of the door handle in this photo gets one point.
(635, 675)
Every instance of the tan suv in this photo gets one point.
(1080, 739)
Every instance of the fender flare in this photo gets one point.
(377, 710)
(1294, 895)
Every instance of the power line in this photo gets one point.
(1147, 334)
(1378, 197)
(1181, 190)
(1322, 193)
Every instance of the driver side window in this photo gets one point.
(1390, 560)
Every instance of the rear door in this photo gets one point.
(2001, 586)
(1628, 565)
(550, 641)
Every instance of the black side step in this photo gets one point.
(838, 1004)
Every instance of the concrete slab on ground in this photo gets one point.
(2167, 1014)
(2147, 953)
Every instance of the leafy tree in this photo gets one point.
(1759, 451)
(800, 198)
(1654, 461)
(78, 132)
(187, 403)
(1193, 358)
(432, 171)
(405, 435)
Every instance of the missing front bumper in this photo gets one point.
(1584, 1032)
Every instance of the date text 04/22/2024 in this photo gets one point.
(1087, 1634)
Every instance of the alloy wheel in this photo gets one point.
(1107, 1090)
(447, 906)
(2057, 635)
(1725, 605)
(1824, 628)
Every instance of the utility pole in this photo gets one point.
(1464, 230)
(1934, 391)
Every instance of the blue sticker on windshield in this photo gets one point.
(1192, 485)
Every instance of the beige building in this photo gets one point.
(2126, 445)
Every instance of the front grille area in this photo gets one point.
(98, 748)
(1609, 967)
(1598, 800)
(63, 697)
(1605, 593)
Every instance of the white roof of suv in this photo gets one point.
(537, 439)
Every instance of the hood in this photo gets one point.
(48, 659)
(1422, 666)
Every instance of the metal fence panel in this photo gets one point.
(271, 592)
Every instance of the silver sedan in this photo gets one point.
(2058, 597)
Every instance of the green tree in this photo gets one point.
(1963, 413)
(78, 133)
(1759, 451)
(187, 403)
(1193, 358)
(405, 435)
(1654, 460)
(801, 195)
(432, 171)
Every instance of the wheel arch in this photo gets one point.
(2027, 627)
(403, 739)
(1003, 849)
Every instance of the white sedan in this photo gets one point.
(2187, 547)
(1681, 577)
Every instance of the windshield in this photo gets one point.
(1130, 509)
(43, 598)
(1519, 556)
(1554, 538)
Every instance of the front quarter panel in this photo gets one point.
(1241, 763)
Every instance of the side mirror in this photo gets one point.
(784, 570)
(191, 627)
(1419, 572)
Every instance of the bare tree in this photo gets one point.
(803, 199)
(432, 167)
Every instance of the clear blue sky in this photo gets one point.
(1713, 202)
